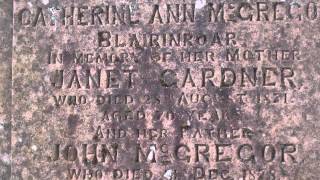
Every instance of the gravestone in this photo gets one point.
(175, 89)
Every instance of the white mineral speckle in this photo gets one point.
(188, 123)
(151, 154)
(168, 174)
(29, 4)
(45, 2)
(5, 158)
(34, 148)
(200, 4)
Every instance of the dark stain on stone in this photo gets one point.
(73, 122)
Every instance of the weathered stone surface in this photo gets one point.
(200, 111)
(6, 11)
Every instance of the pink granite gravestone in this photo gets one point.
(172, 90)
